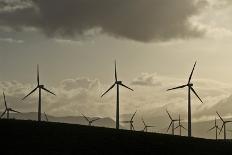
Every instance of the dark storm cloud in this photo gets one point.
(140, 20)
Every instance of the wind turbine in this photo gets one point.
(117, 83)
(40, 87)
(90, 121)
(131, 121)
(172, 123)
(216, 128)
(180, 125)
(46, 117)
(223, 125)
(190, 88)
(7, 109)
(146, 126)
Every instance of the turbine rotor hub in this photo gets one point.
(190, 84)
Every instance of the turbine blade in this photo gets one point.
(144, 122)
(95, 119)
(38, 74)
(220, 117)
(108, 90)
(115, 71)
(4, 97)
(133, 115)
(125, 121)
(183, 127)
(169, 115)
(196, 94)
(221, 128)
(30, 93)
(169, 126)
(3, 113)
(212, 128)
(190, 77)
(15, 111)
(126, 86)
(49, 91)
(132, 127)
(177, 87)
(85, 117)
(177, 127)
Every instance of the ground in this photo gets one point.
(31, 137)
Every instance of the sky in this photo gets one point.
(155, 43)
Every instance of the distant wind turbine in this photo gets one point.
(223, 125)
(46, 117)
(90, 121)
(40, 87)
(172, 123)
(117, 83)
(146, 126)
(131, 122)
(180, 126)
(7, 109)
(190, 88)
(216, 128)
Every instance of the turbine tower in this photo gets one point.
(172, 123)
(117, 83)
(40, 87)
(90, 121)
(7, 109)
(223, 125)
(190, 88)
(146, 126)
(180, 125)
(131, 122)
(216, 128)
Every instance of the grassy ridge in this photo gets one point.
(30, 137)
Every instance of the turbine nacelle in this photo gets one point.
(190, 84)
(41, 86)
(118, 82)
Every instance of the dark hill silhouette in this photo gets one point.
(30, 137)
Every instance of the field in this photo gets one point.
(31, 137)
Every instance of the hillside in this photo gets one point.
(30, 137)
(200, 129)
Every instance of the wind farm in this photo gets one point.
(175, 123)
(116, 77)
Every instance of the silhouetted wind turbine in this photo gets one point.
(172, 123)
(180, 125)
(131, 121)
(216, 128)
(117, 83)
(190, 88)
(46, 117)
(90, 121)
(7, 109)
(40, 87)
(223, 125)
(146, 126)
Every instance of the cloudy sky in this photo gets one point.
(155, 43)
